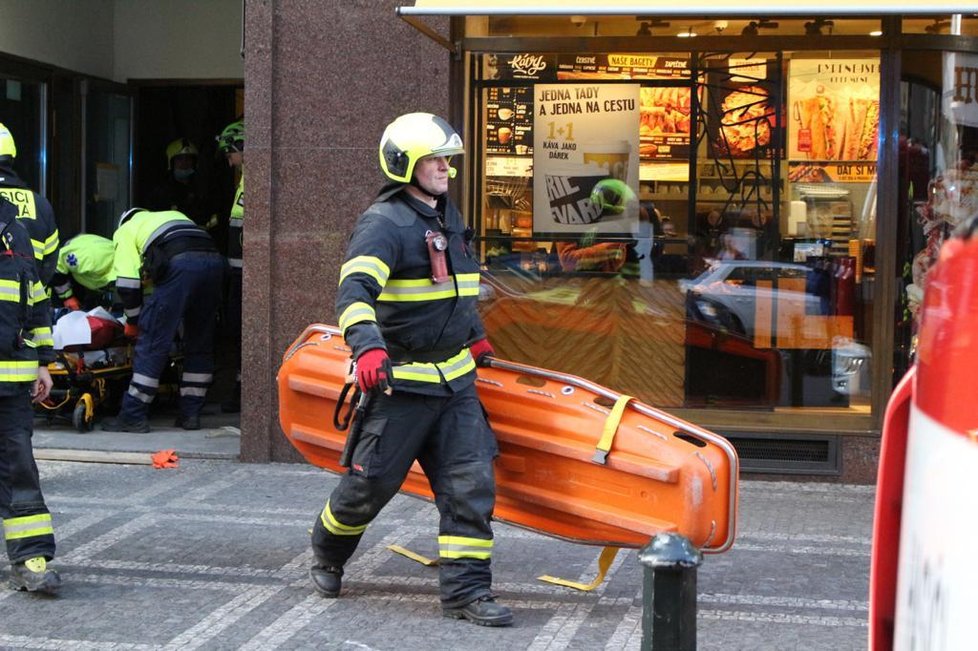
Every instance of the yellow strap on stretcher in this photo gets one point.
(610, 429)
(403, 551)
(604, 562)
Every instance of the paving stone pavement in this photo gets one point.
(215, 555)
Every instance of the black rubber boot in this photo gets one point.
(119, 425)
(484, 611)
(33, 575)
(188, 422)
(327, 580)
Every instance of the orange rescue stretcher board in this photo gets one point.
(660, 474)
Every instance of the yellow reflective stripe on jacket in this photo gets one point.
(366, 264)
(42, 337)
(11, 371)
(38, 249)
(10, 290)
(51, 244)
(38, 293)
(468, 284)
(416, 289)
(336, 527)
(463, 547)
(451, 368)
(423, 289)
(28, 526)
(356, 313)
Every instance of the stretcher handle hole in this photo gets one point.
(689, 438)
(601, 401)
(531, 381)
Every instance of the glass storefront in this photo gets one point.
(698, 228)
(700, 225)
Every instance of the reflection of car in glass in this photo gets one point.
(726, 295)
(782, 306)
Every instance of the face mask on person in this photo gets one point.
(183, 175)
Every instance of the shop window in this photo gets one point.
(695, 230)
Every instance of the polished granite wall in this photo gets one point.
(322, 80)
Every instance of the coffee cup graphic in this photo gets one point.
(569, 193)
(505, 134)
(612, 156)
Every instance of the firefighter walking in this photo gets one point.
(407, 307)
(186, 271)
(26, 347)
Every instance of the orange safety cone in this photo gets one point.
(924, 571)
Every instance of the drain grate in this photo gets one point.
(786, 453)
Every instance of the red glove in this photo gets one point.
(72, 303)
(132, 330)
(480, 351)
(165, 459)
(374, 371)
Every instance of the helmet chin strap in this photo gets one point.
(415, 184)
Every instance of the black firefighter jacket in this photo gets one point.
(25, 312)
(386, 297)
(37, 216)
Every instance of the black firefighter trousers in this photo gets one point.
(26, 520)
(451, 439)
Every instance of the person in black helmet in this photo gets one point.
(182, 189)
(406, 305)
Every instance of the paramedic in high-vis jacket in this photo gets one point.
(407, 307)
(26, 348)
(168, 250)
(33, 210)
(84, 271)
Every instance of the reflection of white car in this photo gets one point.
(726, 294)
(725, 297)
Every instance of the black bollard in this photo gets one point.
(669, 593)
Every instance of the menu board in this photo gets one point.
(835, 108)
(554, 67)
(664, 123)
(621, 66)
(509, 120)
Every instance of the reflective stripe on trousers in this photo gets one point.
(191, 291)
(27, 523)
(449, 436)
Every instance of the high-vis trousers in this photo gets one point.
(189, 291)
(27, 528)
(451, 439)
